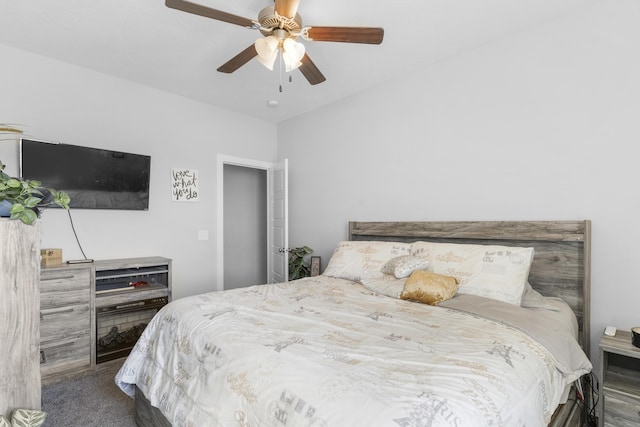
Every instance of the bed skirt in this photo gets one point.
(147, 415)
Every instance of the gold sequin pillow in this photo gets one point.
(429, 288)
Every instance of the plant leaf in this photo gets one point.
(14, 183)
(25, 215)
(61, 198)
(27, 418)
(31, 202)
(16, 208)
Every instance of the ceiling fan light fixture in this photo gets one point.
(269, 61)
(292, 54)
(267, 49)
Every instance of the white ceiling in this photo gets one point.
(145, 42)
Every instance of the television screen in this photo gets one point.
(94, 178)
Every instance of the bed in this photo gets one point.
(344, 349)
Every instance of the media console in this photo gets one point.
(82, 307)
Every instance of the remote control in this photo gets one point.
(610, 331)
(79, 261)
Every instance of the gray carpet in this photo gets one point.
(92, 400)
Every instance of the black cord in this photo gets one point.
(75, 234)
(592, 396)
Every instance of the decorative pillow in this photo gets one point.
(533, 299)
(403, 266)
(386, 285)
(353, 260)
(429, 288)
(491, 271)
(4, 422)
(28, 418)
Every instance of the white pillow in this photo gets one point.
(491, 271)
(534, 299)
(403, 266)
(386, 285)
(353, 260)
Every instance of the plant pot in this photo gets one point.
(5, 209)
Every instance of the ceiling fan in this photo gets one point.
(281, 25)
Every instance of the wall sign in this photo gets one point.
(184, 185)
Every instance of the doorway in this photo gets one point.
(245, 226)
(253, 231)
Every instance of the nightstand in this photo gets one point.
(619, 381)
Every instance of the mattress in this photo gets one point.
(324, 351)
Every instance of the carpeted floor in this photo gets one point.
(92, 400)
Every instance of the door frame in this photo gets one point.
(222, 160)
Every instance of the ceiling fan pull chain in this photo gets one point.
(280, 71)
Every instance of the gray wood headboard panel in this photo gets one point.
(561, 266)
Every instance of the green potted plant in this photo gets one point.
(298, 268)
(22, 199)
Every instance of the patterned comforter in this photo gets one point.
(328, 352)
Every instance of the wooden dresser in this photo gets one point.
(19, 311)
(65, 321)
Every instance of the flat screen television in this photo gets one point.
(94, 178)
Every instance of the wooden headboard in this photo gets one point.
(561, 266)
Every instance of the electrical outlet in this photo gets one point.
(203, 234)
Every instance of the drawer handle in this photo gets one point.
(54, 344)
(59, 310)
(43, 357)
(57, 278)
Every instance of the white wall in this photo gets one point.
(542, 125)
(64, 103)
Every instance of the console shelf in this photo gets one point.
(116, 280)
(71, 297)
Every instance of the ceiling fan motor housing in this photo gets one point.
(270, 21)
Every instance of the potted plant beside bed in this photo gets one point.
(298, 268)
(22, 199)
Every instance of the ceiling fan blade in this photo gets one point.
(207, 12)
(239, 60)
(287, 8)
(368, 35)
(310, 71)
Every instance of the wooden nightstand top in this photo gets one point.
(620, 344)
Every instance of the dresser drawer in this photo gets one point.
(621, 410)
(64, 355)
(58, 322)
(51, 279)
(64, 286)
